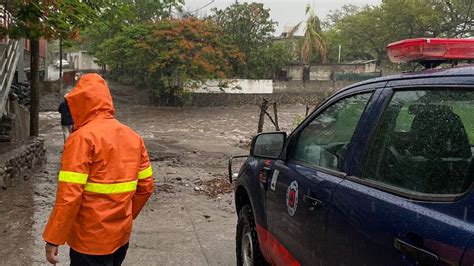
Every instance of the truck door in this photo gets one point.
(468, 257)
(409, 204)
(301, 185)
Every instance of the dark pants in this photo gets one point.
(115, 259)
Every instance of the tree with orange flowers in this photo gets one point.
(171, 54)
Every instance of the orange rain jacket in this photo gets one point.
(105, 177)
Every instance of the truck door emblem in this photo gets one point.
(274, 180)
(292, 198)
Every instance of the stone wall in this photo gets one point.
(328, 71)
(236, 86)
(6, 128)
(224, 99)
(309, 86)
(284, 92)
(19, 160)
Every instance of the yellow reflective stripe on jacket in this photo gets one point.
(147, 172)
(73, 177)
(111, 188)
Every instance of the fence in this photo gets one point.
(9, 60)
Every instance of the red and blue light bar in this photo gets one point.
(431, 49)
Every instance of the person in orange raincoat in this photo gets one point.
(104, 181)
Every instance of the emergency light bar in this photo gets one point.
(426, 50)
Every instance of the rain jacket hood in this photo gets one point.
(90, 99)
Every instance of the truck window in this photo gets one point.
(425, 142)
(324, 141)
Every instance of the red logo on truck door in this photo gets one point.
(292, 198)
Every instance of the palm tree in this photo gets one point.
(313, 40)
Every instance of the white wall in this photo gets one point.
(247, 86)
(295, 72)
(82, 61)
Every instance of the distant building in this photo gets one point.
(22, 47)
(291, 39)
(353, 71)
(83, 61)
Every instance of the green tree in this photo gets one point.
(119, 15)
(119, 53)
(313, 39)
(34, 20)
(313, 47)
(152, 10)
(360, 32)
(411, 18)
(247, 25)
(268, 59)
(364, 32)
(250, 28)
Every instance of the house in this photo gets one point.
(14, 66)
(351, 71)
(83, 61)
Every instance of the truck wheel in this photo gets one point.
(247, 246)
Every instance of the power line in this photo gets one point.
(206, 5)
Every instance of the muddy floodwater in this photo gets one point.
(190, 219)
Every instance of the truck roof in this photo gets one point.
(443, 76)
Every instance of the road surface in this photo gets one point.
(190, 219)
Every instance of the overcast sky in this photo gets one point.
(285, 12)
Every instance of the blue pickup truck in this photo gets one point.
(381, 173)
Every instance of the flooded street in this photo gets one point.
(190, 219)
(184, 113)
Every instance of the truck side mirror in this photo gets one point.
(232, 175)
(268, 145)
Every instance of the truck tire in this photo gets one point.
(247, 246)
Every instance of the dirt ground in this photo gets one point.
(190, 219)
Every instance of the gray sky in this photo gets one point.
(285, 12)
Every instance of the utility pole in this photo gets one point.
(34, 83)
(339, 56)
(60, 58)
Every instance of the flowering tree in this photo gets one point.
(170, 54)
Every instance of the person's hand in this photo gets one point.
(51, 253)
